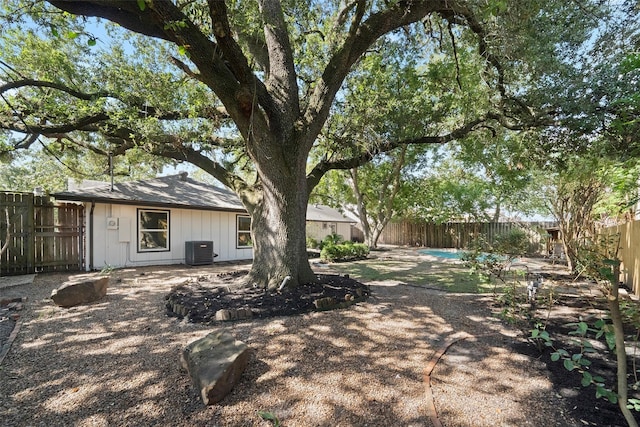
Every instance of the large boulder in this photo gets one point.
(215, 364)
(80, 291)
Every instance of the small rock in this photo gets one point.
(244, 313)
(324, 303)
(223, 315)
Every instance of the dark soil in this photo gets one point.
(582, 402)
(201, 300)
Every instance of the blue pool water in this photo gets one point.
(451, 254)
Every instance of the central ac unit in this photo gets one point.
(198, 252)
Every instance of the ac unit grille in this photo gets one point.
(198, 252)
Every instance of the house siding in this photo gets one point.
(316, 231)
(117, 247)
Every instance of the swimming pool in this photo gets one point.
(457, 254)
(442, 253)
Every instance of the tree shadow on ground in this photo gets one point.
(116, 362)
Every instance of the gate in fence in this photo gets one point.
(38, 235)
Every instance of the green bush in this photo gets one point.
(515, 242)
(493, 258)
(344, 252)
(332, 239)
(313, 243)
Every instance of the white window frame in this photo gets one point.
(243, 233)
(166, 230)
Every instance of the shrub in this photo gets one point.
(493, 258)
(313, 243)
(332, 239)
(514, 242)
(344, 252)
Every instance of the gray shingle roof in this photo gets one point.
(167, 191)
(325, 214)
(177, 191)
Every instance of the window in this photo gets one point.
(244, 232)
(153, 230)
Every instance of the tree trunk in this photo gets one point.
(278, 232)
(569, 254)
(621, 353)
(375, 235)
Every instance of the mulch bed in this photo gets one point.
(582, 401)
(200, 301)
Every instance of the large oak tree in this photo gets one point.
(233, 84)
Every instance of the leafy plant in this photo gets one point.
(598, 259)
(495, 257)
(333, 239)
(344, 251)
(313, 243)
(107, 270)
(578, 360)
(269, 416)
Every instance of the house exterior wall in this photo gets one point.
(117, 245)
(319, 230)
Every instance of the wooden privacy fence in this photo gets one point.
(629, 253)
(41, 235)
(460, 234)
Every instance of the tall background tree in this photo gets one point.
(252, 84)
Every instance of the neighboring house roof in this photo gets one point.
(167, 191)
(323, 213)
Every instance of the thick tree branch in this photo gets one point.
(163, 19)
(361, 36)
(461, 15)
(282, 81)
(245, 192)
(325, 165)
(230, 50)
(84, 123)
(125, 12)
(53, 85)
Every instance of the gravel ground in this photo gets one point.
(117, 362)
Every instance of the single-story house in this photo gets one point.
(323, 221)
(171, 220)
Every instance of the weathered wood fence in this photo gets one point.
(460, 234)
(628, 253)
(42, 235)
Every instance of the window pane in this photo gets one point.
(153, 240)
(244, 223)
(244, 239)
(153, 220)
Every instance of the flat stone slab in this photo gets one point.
(215, 364)
(82, 291)
(10, 281)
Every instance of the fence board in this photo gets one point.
(44, 236)
(457, 234)
(628, 253)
